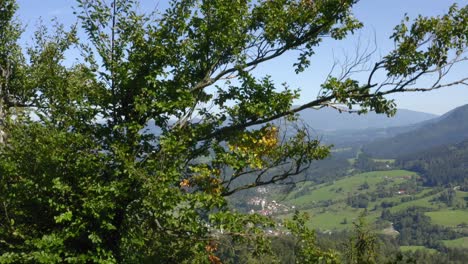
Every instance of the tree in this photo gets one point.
(82, 180)
(10, 60)
(306, 249)
(364, 162)
(362, 246)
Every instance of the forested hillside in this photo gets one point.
(450, 128)
(440, 166)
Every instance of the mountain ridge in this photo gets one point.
(329, 120)
(450, 128)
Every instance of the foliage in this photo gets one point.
(81, 178)
(359, 201)
(307, 250)
(455, 256)
(362, 247)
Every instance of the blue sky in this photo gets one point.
(379, 18)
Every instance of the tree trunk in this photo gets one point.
(2, 118)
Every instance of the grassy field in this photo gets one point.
(461, 194)
(338, 214)
(340, 189)
(391, 161)
(459, 243)
(450, 218)
(341, 149)
(332, 220)
(414, 248)
(329, 210)
(422, 202)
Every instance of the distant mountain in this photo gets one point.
(337, 126)
(451, 128)
(328, 119)
(360, 137)
(349, 130)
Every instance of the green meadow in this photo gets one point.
(328, 209)
(457, 243)
(451, 218)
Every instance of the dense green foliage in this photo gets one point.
(81, 181)
(446, 165)
(386, 251)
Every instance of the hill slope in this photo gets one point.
(440, 166)
(451, 128)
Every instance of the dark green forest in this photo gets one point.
(442, 166)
